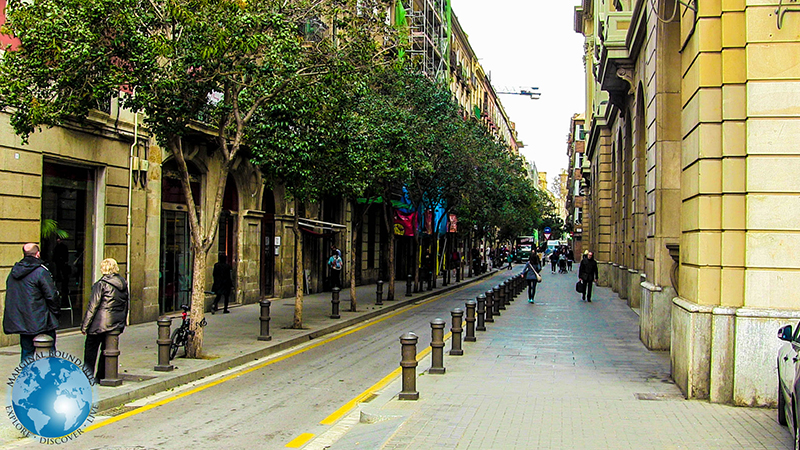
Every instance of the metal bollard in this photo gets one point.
(163, 342)
(509, 294)
(409, 282)
(408, 362)
(111, 355)
(379, 292)
(470, 336)
(500, 298)
(455, 341)
(437, 347)
(489, 306)
(481, 311)
(44, 344)
(335, 303)
(264, 318)
(497, 302)
(520, 284)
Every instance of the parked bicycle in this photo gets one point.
(180, 337)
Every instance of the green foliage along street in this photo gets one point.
(316, 94)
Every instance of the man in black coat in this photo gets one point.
(222, 284)
(587, 272)
(32, 303)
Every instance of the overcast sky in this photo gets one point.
(531, 43)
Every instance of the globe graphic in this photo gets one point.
(52, 397)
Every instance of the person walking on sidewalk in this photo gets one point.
(222, 284)
(531, 274)
(107, 311)
(32, 301)
(510, 259)
(587, 273)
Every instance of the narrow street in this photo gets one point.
(269, 407)
(558, 374)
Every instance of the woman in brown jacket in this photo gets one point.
(107, 311)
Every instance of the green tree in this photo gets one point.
(183, 62)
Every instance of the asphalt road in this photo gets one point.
(285, 397)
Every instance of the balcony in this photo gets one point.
(614, 52)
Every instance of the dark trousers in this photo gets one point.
(587, 293)
(90, 348)
(531, 288)
(336, 278)
(26, 343)
(227, 296)
(553, 263)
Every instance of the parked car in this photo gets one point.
(789, 380)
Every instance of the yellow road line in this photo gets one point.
(261, 366)
(347, 407)
(300, 441)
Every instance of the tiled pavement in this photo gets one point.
(558, 374)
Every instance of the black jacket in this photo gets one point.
(32, 301)
(588, 270)
(108, 306)
(222, 278)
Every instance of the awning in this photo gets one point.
(320, 225)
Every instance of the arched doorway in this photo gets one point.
(175, 280)
(229, 230)
(267, 271)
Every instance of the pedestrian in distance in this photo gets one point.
(587, 274)
(335, 264)
(553, 261)
(32, 302)
(509, 259)
(570, 259)
(223, 284)
(531, 274)
(107, 311)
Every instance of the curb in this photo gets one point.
(226, 364)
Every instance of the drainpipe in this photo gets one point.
(130, 197)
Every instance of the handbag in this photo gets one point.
(580, 287)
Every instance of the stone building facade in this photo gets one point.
(692, 109)
(112, 192)
(576, 186)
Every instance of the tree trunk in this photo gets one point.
(358, 220)
(389, 220)
(194, 348)
(297, 322)
(468, 251)
(417, 263)
(202, 240)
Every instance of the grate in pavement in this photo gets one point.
(652, 396)
(117, 411)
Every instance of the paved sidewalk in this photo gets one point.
(230, 341)
(558, 374)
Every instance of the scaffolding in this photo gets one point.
(429, 33)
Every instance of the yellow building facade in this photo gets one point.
(692, 108)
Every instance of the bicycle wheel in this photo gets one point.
(178, 339)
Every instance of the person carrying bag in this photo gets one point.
(531, 274)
